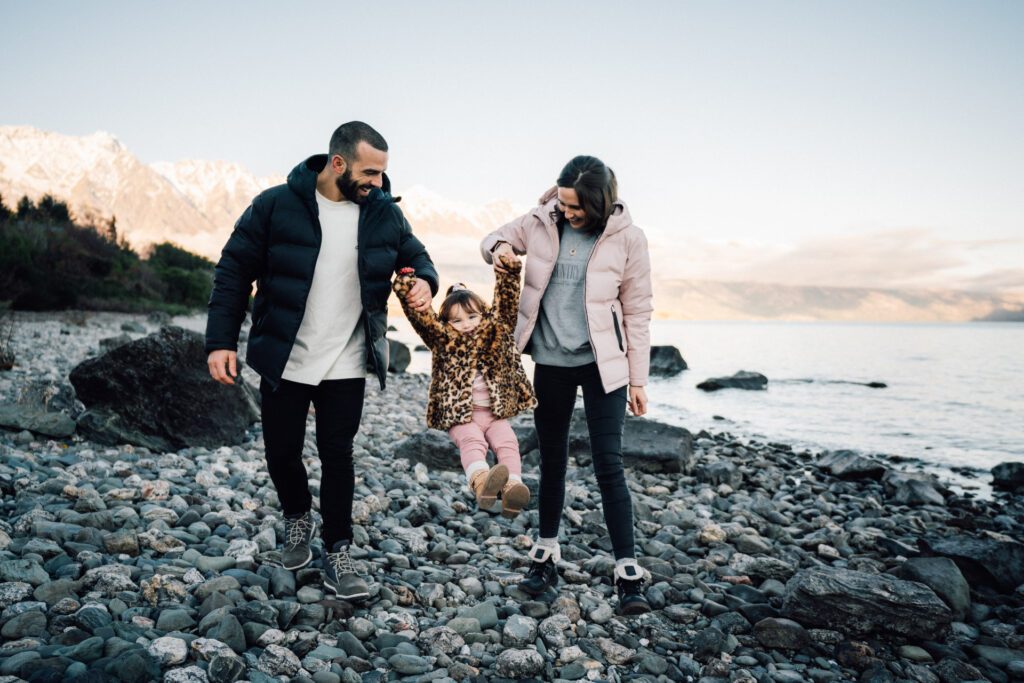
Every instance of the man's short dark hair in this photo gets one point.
(348, 136)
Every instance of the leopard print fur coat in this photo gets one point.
(456, 357)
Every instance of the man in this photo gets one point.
(322, 249)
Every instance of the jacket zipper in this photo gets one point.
(532, 323)
(618, 333)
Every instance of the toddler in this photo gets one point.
(477, 382)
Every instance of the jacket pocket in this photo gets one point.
(618, 332)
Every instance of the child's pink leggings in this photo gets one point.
(472, 438)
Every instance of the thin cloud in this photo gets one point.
(903, 258)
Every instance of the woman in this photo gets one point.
(584, 316)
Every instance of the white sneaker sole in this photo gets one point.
(350, 597)
(309, 558)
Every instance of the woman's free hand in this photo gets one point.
(503, 252)
(637, 401)
(419, 296)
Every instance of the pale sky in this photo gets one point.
(841, 143)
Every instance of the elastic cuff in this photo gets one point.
(628, 569)
(545, 549)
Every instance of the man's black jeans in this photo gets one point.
(339, 407)
(556, 396)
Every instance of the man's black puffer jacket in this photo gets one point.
(276, 242)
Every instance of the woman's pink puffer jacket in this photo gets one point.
(617, 288)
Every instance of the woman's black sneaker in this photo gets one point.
(540, 577)
(543, 573)
(629, 582)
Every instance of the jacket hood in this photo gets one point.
(302, 181)
(619, 220)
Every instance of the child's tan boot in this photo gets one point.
(514, 497)
(486, 484)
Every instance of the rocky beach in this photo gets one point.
(127, 562)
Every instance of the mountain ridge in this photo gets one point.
(194, 203)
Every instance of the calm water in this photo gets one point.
(955, 395)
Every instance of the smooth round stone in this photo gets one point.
(309, 594)
(215, 564)
(363, 629)
(914, 654)
(464, 625)
(409, 664)
(25, 625)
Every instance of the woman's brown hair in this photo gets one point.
(596, 187)
(458, 295)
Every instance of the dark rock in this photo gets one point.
(431, 447)
(854, 654)
(857, 602)
(909, 488)
(111, 343)
(989, 558)
(37, 420)
(1008, 475)
(942, 576)
(951, 670)
(229, 631)
(398, 356)
(647, 445)
(225, 669)
(751, 381)
(666, 361)
(24, 625)
(720, 472)
(134, 666)
(27, 571)
(850, 465)
(781, 633)
(709, 643)
(156, 392)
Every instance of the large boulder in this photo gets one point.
(847, 464)
(753, 381)
(990, 558)
(666, 361)
(914, 488)
(156, 392)
(433, 448)
(1008, 475)
(859, 603)
(399, 356)
(647, 445)
(943, 576)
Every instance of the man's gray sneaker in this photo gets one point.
(341, 577)
(298, 535)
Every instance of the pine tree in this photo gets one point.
(26, 209)
(5, 213)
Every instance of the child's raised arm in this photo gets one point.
(506, 292)
(431, 330)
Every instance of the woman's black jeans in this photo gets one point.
(339, 407)
(556, 396)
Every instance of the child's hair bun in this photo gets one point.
(457, 287)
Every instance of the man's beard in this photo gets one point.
(349, 188)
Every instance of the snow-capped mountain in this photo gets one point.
(195, 204)
(220, 190)
(191, 203)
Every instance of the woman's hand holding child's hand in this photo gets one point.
(505, 258)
